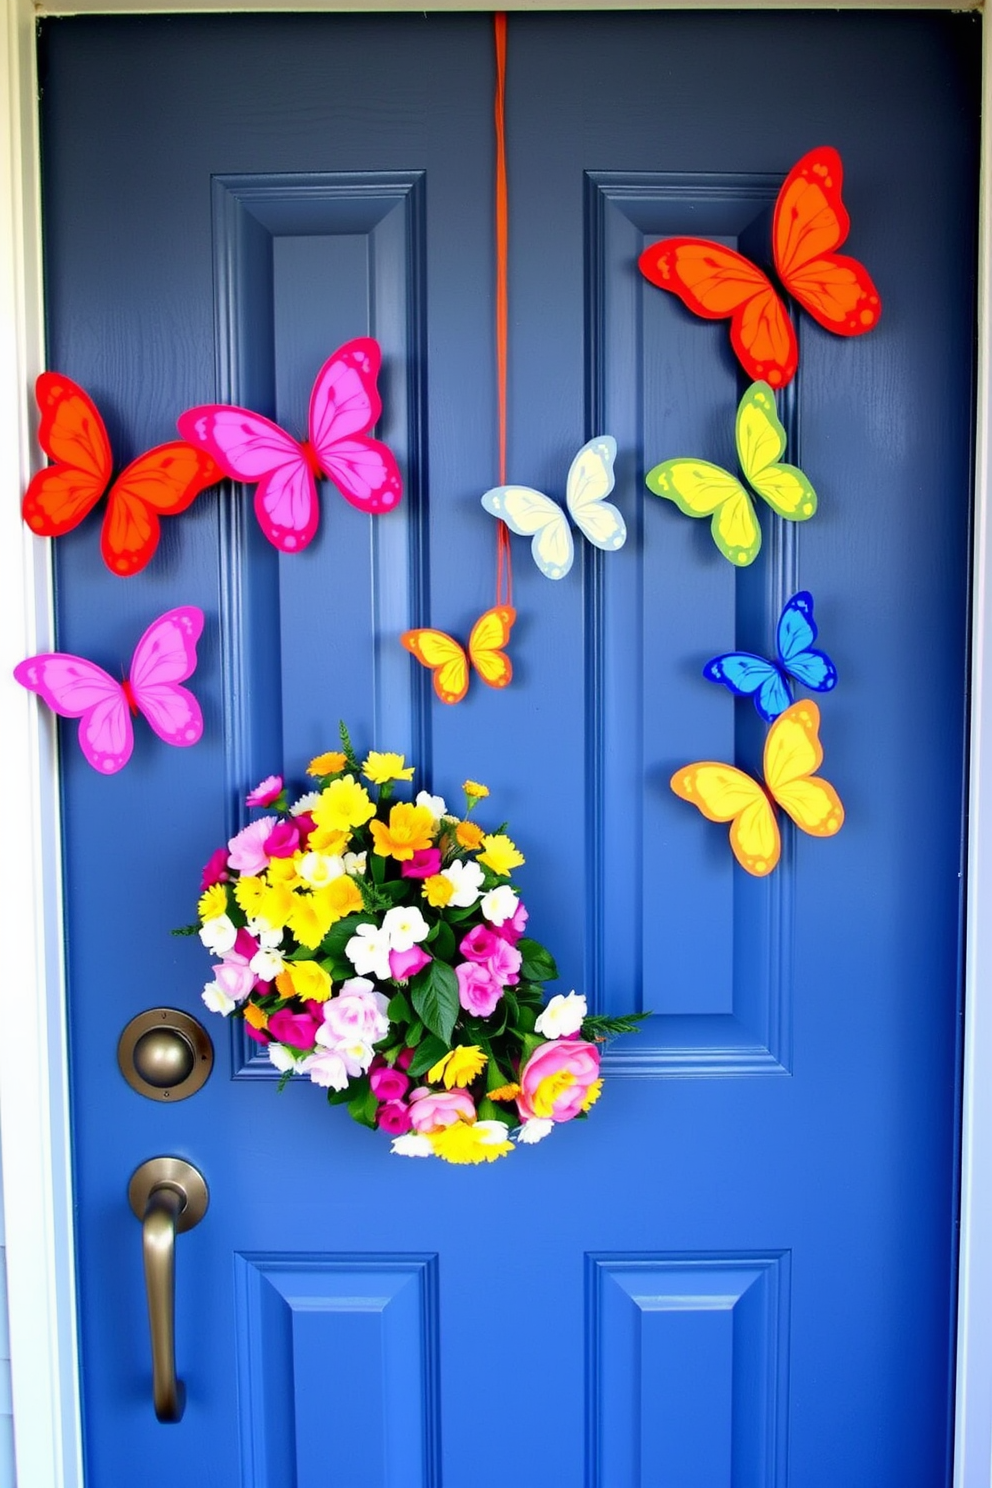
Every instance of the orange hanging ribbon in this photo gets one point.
(504, 563)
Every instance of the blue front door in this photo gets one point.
(740, 1270)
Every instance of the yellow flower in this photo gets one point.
(474, 790)
(327, 764)
(458, 1067)
(310, 980)
(592, 1094)
(284, 871)
(248, 892)
(469, 835)
(501, 854)
(504, 1093)
(343, 804)
(328, 840)
(438, 890)
(213, 903)
(275, 905)
(313, 914)
(410, 829)
(382, 767)
(471, 1141)
(548, 1091)
(254, 1016)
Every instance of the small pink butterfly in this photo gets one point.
(76, 688)
(344, 405)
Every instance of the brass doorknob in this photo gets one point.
(165, 1054)
(169, 1196)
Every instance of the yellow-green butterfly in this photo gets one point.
(701, 489)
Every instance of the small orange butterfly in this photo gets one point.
(448, 660)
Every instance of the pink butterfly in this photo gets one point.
(76, 688)
(344, 405)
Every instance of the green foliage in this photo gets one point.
(538, 964)
(430, 1051)
(598, 1026)
(187, 930)
(434, 994)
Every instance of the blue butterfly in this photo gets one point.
(768, 681)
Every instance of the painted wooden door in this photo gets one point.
(740, 1270)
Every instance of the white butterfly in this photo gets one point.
(532, 514)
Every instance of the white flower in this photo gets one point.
(562, 1016)
(534, 1130)
(368, 951)
(405, 926)
(412, 1144)
(354, 863)
(491, 1132)
(267, 964)
(217, 999)
(357, 1015)
(218, 935)
(268, 939)
(435, 804)
(466, 880)
(318, 869)
(500, 904)
(281, 1057)
(327, 1068)
(305, 803)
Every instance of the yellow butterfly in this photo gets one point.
(447, 659)
(723, 793)
(701, 489)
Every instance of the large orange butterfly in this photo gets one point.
(810, 222)
(449, 661)
(161, 482)
(723, 793)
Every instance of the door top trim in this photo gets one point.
(152, 7)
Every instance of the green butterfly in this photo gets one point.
(704, 490)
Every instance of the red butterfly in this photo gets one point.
(163, 481)
(810, 222)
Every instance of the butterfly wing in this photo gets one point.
(719, 284)
(760, 443)
(74, 438)
(163, 481)
(752, 676)
(796, 634)
(700, 490)
(590, 481)
(490, 634)
(76, 688)
(792, 753)
(810, 221)
(444, 657)
(164, 657)
(723, 793)
(531, 514)
(344, 405)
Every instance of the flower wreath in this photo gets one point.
(378, 947)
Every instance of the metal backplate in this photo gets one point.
(165, 1054)
(170, 1172)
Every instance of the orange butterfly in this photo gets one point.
(448, 661)
(810, 221)
(163, 481)
(792, 752)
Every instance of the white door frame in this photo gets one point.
(33, 1067)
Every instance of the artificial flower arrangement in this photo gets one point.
(378, 947)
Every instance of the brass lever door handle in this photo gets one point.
(169, 1196)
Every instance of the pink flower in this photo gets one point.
(389, 1084)
(425, 862)
(504, 963)
(556, 1078)
(265, 792)
(247, 850)
(245, 946)
(298, 1030)
(215, 869)
(404, 1058)
(234, 978)
(512, 929)
(479, 944)
(430, 1110)
(258, 1034)
(283, 840)
(305, 825)
(405, 964)
(326, 1067)
(357, 1012)
(393, 1117)
(478, 989)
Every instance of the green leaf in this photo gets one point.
(428, 1054)
(339, 1097)
(339, 935)
(399, 1010)
(348, 751)
(443, 941)
(488, 1111)
(538, 964)
(377, 867)
(525, 1020)
(363, 1105)
(434, 994)
(599, 1026)
(414, 1034)
(187, 930)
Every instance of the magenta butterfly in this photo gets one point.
(344, 405)
(76, 688)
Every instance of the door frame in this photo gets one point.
(34, 1127)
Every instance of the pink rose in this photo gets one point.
(356, 1013)
(258, 1034)
(478, 989)
(298, 1030)
(389, 1084)
(405, 964)
(215, 869)
(234, 978)
(393, 1117)
(246, 851)
(556, 1078)
(430, 1110)
(404, 1058)
(265, 792)
(283, 840)
(425, 862)
(504, 963)
(305, 825)
(512, 929)
(245, 946)
(479, 944)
